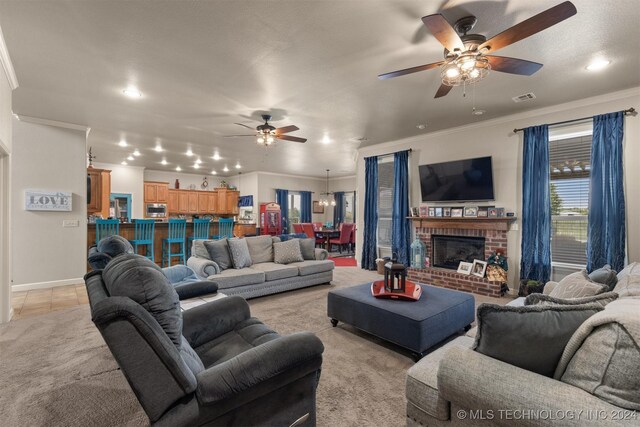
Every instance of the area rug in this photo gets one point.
(344, 262)
(57, 371)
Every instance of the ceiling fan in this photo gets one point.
(466, 56)
(266, 134)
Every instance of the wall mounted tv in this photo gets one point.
(457, 181)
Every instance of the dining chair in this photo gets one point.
(106, 228)
(225, 229)
(177, 233)
(352, 240)
(311, 233)
(297, 228)
(143, 235)
(344, 238)
(201, 228)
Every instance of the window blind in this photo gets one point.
(385, 202)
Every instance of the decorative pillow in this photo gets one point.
(239, 253)
(530, 337)
(605, 276)
(540, 299)
(260, 249)
(308, 248)
(218, 252)
(633, 268)
(199, 250)
(287, 252)
(140, 279)
(628, 286)
(603, 356)
(577, 285)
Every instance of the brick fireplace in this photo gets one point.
(490, 233)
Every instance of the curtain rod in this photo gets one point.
(389, 154)
(626, 113)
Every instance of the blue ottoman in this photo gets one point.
(415, 325)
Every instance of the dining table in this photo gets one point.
(327, 234)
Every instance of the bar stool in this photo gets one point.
(200, 232)
(144, 236)
(177, 232)
(106, 228)
(225, 229)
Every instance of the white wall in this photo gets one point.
(127, 180)
(346, 184)
(496, 138)
(44, 253)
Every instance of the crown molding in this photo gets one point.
(7, 65)
(39, 121)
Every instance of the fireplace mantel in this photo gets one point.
(500, 223)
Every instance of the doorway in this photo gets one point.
(120, 206)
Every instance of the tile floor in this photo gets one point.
(42, 301)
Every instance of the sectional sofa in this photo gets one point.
(262, 265)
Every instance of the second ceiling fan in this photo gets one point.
(467, 58)
(267, 134)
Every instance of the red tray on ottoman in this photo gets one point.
(411, 292)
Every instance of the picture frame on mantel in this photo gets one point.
(456, 212)
(317, 207)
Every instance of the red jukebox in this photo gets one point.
(270, 219)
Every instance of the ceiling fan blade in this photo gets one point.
(235, 136)
(530, 26)
(443, 31)
(443, 90)
(291, 138)
(409, 70)
(286, 129)
(505, 64)
(242, 124)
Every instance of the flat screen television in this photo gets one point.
(457, 181)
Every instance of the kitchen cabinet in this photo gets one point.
(173, 205)
(156, 192)
(203, 202)
(193, 202)
(227, 201)
(183, 202)
(99, 184)
(213, 202)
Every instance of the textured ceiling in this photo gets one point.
(202, 66)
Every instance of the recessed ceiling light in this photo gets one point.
(421, 126)
(189, 152)
(178, 168)
(196, 166)
(164, 161)
(226, 169)
(124, 163)
(198, 161)
(214, 173)
(122, 143)
(598, 64)
(326, 139)
(238, 165)
(136, 153)
(478, 112)
(132, 92)
(158, 148)
(216, 156)
(130, 158)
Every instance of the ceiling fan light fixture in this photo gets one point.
(465, 69)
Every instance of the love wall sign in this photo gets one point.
(47, 200)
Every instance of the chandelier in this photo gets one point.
(324, 197)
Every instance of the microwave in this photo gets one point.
(156, 210)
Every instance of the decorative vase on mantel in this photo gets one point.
(177, 184)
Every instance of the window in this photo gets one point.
(570, 165)
(294, 209)
(385, 205)
(349, 204)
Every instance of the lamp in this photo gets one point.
(324, 197)
(265, 137)
(467, 67)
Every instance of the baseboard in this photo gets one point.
(45, 285)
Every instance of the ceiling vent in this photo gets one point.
(525, 97)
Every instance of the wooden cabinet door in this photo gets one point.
(203, 203)
(162, 193)
(222, 202)
(213, 202)
(183, 202)
(94, 204)
(232, 202)
(172, 202)
(193, 202)
(105, 192)
(150, 192)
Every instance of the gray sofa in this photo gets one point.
(263, 276)
(596, 382)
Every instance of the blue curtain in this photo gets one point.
(354, 206)
(606, 229)
(369, 243)
(535, 263)
(400, 225)
(338, 209)
(305, 208)
(282, 198)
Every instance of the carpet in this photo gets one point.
(344, 262)
(56, 369)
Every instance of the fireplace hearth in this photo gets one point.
(449, 251)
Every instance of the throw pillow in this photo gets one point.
(239, 250)
(308, 248)
(218, 252)
(605, 276)
(199, 250)
(633, 268)
(628, 286)
(287, 252)
(530, 337)
(577, 285)
(260, 249)
(540, 299)
(140, 279)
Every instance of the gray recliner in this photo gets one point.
(211, 365)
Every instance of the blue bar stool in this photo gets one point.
(144, 236)
(177, 234)
(200, 232)
(225, 229)
(106, 228)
